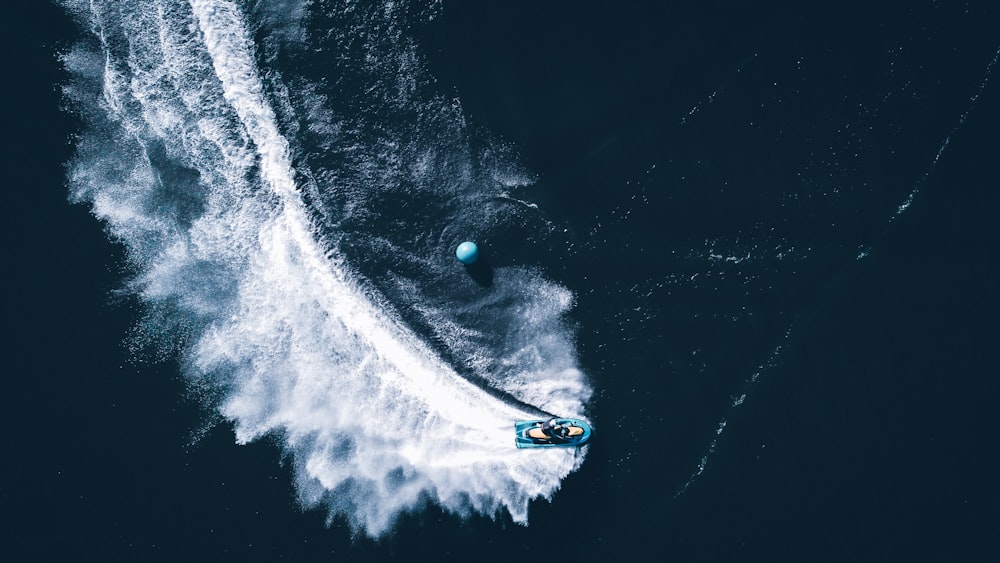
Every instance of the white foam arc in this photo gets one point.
(291, 237)
(467, 462)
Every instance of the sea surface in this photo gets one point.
(753, 244)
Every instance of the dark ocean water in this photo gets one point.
(776, 224)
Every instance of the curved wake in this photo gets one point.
(184, 159)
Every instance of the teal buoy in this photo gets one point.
(467, 252)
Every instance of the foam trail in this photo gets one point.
(915, 191)
(374, 422)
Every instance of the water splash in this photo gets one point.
(185, 160)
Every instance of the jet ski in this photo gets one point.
(551, 433)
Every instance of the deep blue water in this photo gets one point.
(776, 224)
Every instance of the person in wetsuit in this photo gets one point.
(555, 431)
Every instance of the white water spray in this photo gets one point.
(375, 422)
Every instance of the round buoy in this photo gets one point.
(467, 252)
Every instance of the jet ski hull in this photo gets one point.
(523, 440)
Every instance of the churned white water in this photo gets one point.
(187, 164)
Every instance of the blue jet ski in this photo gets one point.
(551, 433)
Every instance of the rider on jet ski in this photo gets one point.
(559, 433)
(555, 431)
(552, 432)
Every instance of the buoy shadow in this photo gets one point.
(481, 272)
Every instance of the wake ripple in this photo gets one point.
(184, 160)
